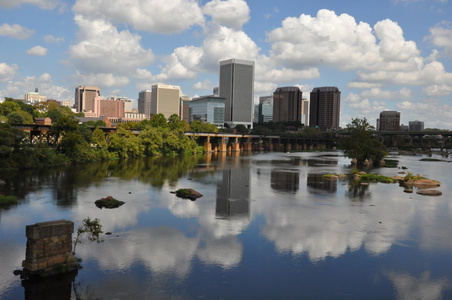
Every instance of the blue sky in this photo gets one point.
(382, 55)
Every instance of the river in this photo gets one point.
(267, 227)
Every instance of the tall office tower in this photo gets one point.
(287, 104)
(237, 87)
(127, 103)
(184, 108)
(265, 109)
(84, 97)
(389, 121)
(305, 111)
(144, 103)
(416, 125)
(324, 112)
(165, 99)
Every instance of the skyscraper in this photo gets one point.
(84, 98)
(165, 99)
(144, 103)
(324, 112)
(389, 121)
(287, 104)
(237, 87)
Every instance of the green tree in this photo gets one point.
(360, 145)
(241, 129)
(159, 120)
(54, 114)
(91, 227)
(174, 122)
(8, 107)
(198, 126)
(152, 141)
(15, 117)
(99, 138)
(125, 144)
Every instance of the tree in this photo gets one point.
(241, 129)
(360, 145)
(15, 118)
(91, 227)
(159, 120)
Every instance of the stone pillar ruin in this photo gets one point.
(49, 249)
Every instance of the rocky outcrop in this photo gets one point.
(422, 183)
(108, 202)
(188, 194)
(429, 192)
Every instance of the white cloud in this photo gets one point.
(231, 13)
(7, 72)
(172, 16)
(15, 31)
(102, 49)
(101, 79)
(17, 89)
(438, 90)
(442, 37)
(53, 39)
(224, 43)
(38, 51)
(220, 43)
(204, 85)
(363, 85)
(377, 93)
(43, 4)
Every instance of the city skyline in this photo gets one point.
(390, 55)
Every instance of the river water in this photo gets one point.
(267, 227)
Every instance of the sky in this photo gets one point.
(382, 55)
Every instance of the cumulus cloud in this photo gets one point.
(43, 4)
(53, 39)
(377, 93)
(230, 13)
(101, 79)
(7, 72)
(220, 43)
(204, 85)
(441, 36)
(38, 51)
(172, 16)
(104, 49)
(44, 82)
(15, 31)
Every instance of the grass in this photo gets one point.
(6, 200)
(376, 178)
(391, 163)
(430, 159)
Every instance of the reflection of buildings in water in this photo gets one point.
(54, 287)
(285, 180)
(317, 181)
(233, 193)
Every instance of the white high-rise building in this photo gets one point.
(165, 99)
(237, 87)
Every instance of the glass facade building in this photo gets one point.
(207, 109)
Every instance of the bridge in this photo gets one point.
(248, 142)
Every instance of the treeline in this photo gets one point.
(87, 142)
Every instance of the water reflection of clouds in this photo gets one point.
(297, 224)
(161, 249)
(410, 287)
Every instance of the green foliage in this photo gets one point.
(158, 120)
(15, 118)
(91, 227)
(198, 126)
(7, 200)
(8, 107)
(360, 144)
(98, 138)
(125, 144)
(376, 178)
(241, 129)
(54, 114)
